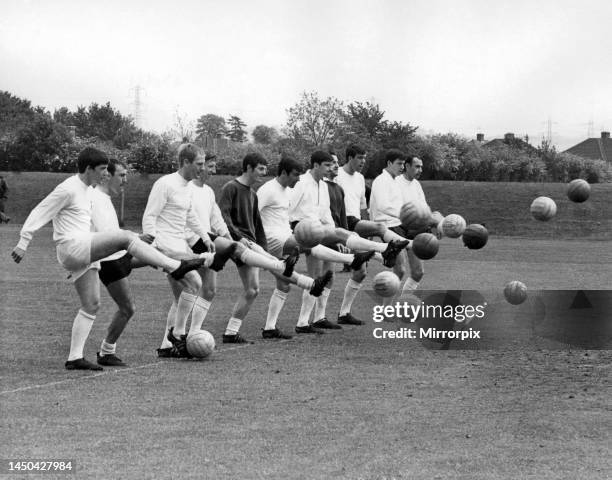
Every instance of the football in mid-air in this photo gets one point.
(386, 284)
(425, 246)
(415, 217)
(515, 292)
(200, 344)
(578, 190)
(309, 233)
(475, 236)
(453, 225)
(543, 208)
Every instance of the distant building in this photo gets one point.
(595, 148)
(509, 140)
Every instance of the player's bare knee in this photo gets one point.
(283, 286)
(251, 293)
(359, 275)
(91, 305)
(192, 283)
(208, 293)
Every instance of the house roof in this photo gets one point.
(512, 141)
(595, 148)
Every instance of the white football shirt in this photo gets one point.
(68, 205)
(354, 192)
(273, 203)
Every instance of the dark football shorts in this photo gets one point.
(409, 233)
(114, 270)
(352, 222)
(199, 246)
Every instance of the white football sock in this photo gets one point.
(328, 255)
(170, 321)
(321, 304)
(255, 259)
(308, 302)
(145, 252)
(277, 300)
(107, 348)
(80, 331)
(233, 326)
(302, 281)
(355, 242)
(198, 314)
(184, 308)
(350, 293)
(410, 286)
(391, 235)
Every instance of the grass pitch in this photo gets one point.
(340, 405)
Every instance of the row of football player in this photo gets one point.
(192, 238)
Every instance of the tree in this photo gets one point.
(264, 134)
(313, 120)
(397, 135)
(210, 125)
(236, 131)
(365, 119)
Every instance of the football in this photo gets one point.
(415, 217)
(200, 344)
(475, 236)
(425, 246)
(578, 190)
(515, 292)
(309, 233)
(386, 284)
(453, 225)
(543, 209)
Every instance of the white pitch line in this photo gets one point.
(101, 374)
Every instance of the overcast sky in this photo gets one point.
(445, 65)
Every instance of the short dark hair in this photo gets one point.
(187, 152)
(209, 156)
(410, 158)
(320, 157)
(253, 159)
(91, 157)
(393, 155)
(112, 165)
(289, 164)
(353, 150)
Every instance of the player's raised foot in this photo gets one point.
(394, 248)
(111, 360)
(360, 259)
(309, 329)
(221, 259)
(275, 333)
(290, 262)
(81, 364)
(179, 344)
(325, 323)
(320, 283)
(237, 338)
(187, 266)
(348, 319)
